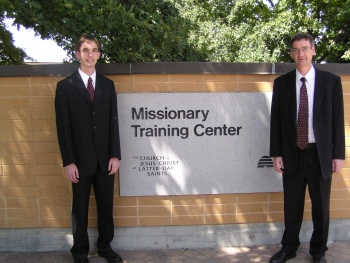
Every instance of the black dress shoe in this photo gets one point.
(282, 256)
(111, 256)
(319, 259)
(84, 260)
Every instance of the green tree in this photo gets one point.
(9, 54)
(129, 30)
(190, 30)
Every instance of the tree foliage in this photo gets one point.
(190, 30)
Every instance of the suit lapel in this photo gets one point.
(98, 89)
(80, 86)
(318, 94)
(292, 96)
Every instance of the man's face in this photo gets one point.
(88, 54)
(302, 52)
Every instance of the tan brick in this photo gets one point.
(55, 222)
(188, 200)
(186, 87)
(276, 207)
(18, 158)
(48, 136)
(48, 158)
(186, 78)
(340, 204)
(220, 199)
(46, 147)
(2, 203)
(16, 125)
(220, 219)
(19, 170)
(255, 78)
(6, 81)
(256, 87)
(125, 201)
(340, 213)
(92, 222)
(54, 202)
(276, 197)
(20, 223)
(21, 191)
(45, 169)
(43, 90)
(252, 208)
(151, 78)
(47, 113)
(152, 87)
(251, 218)
(44, 125)
(125, 87)
(220, 86)
(219, 209)
(24, 213)
(11, 102)
(53, 180)
(40, 80)
(154, 221)
(17, 147)
(154, 211)
(19, 181)
(14, 91)
(39, 102)
(188, 210)
(16, 136)
(15, 114)
(125, 221)
(340, 194)
(55, 212)
(21, 202)
(221, 77)
(3, 223)
(53, 191)
(121, 78)
(252, 198)
(154, 200)
(275, 217)
(187, 220)
(125, 211)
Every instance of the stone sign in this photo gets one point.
(195, 143)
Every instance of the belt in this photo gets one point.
(309, 146)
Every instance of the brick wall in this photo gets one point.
(34, 192)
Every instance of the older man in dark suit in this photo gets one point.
(88, 136)
(307, 142)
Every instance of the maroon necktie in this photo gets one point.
(303, 118)
(90, 89)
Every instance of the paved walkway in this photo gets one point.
(339, 252)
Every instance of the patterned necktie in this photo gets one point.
(303, 118)
(90, 89)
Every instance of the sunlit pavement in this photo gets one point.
(339, 252)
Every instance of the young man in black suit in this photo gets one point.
(306, 158)
(88, 136)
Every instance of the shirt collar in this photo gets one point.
(85, 77)
(309, 76)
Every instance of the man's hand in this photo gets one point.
(72, 172)
(337, 164)
(278, 164)
(113, 165)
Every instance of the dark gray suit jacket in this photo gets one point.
(88, 133)
(328, 120)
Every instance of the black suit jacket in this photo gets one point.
(88, 133)
(328, 120)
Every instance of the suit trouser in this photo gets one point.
(294, 185)
(103, 185)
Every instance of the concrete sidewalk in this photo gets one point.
(339, 252)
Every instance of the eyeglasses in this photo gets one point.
(303, 49)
